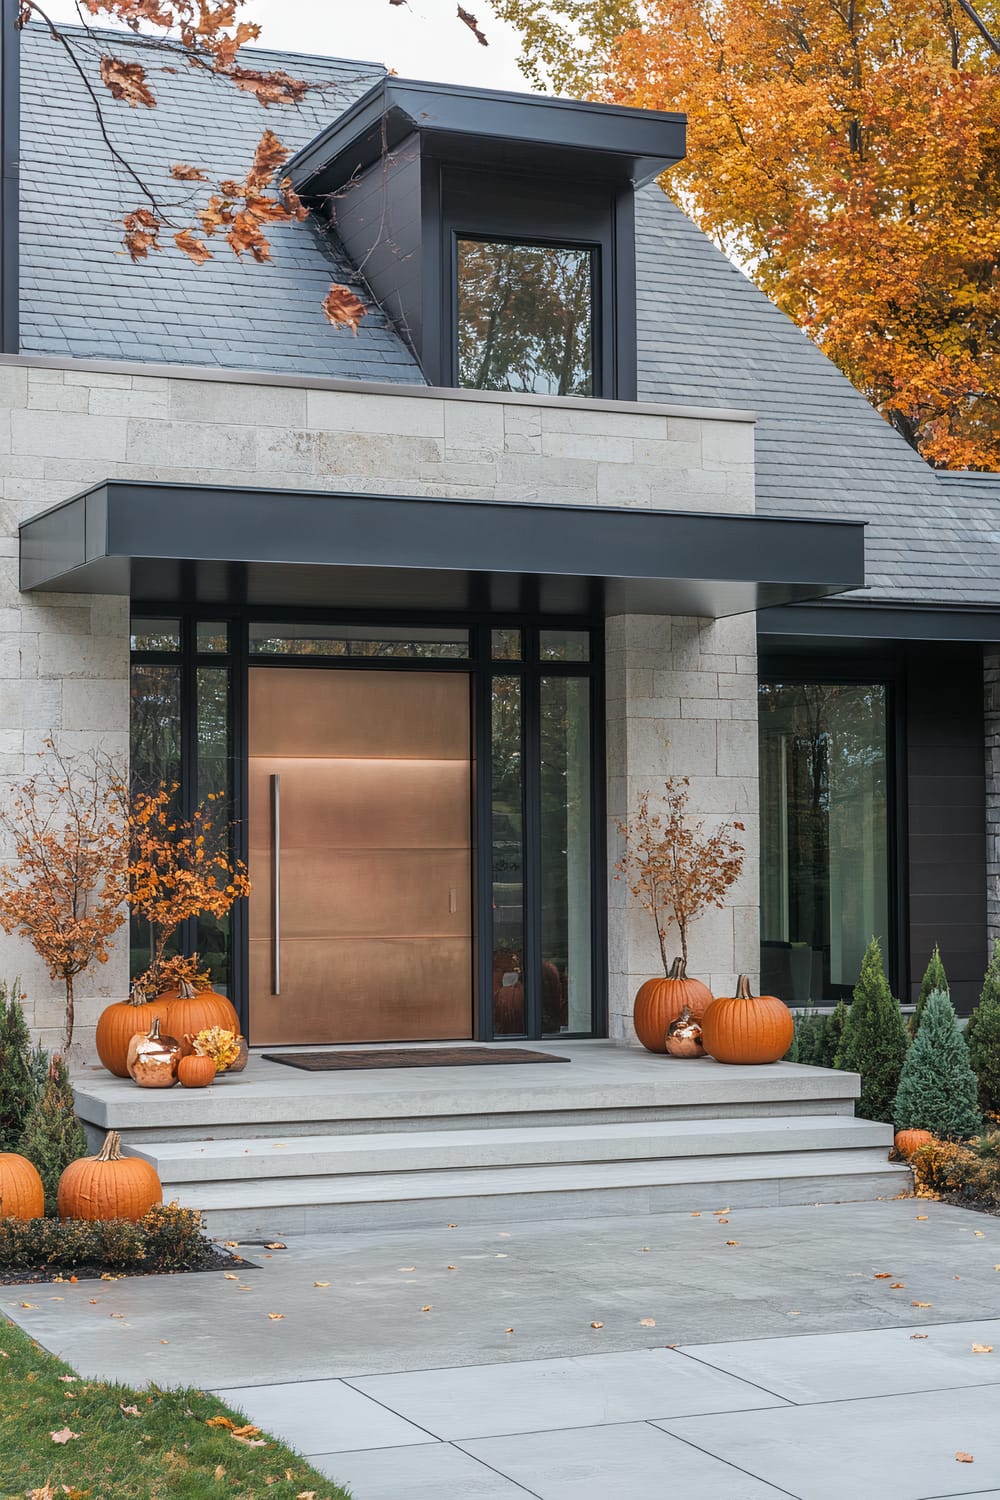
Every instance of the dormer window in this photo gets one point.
(496, 230)
(525, 317)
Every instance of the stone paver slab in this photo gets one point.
(489, 1400)
(884, 1362)
(435, 1471)
(626, 1460)
(322, 1416)
(885, 1448)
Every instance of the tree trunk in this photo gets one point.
(70, 1013)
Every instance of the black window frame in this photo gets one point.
(886, 673)
(480, 666)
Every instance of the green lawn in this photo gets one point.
(165, 1451)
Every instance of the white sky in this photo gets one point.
(420, 39)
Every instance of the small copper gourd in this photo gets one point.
(152, 1059)
(683, 1036)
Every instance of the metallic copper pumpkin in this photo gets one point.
(683, 1036)
(152, 1059)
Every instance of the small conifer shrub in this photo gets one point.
(934, 979)
(937, 1087)
(19, 1081)
(982, 1037)
(53, 1136)
(874, 1039)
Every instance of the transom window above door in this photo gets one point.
(525, 317)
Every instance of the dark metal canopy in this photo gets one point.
(491, 128)
(292, 547)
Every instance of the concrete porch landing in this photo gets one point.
(613, 1131)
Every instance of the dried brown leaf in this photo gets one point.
(126, 80)
(63, 1435)
(195, 249)
(344, 310)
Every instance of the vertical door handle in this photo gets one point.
(276, 885)
(452, 900)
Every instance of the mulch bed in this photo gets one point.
(213, 1258)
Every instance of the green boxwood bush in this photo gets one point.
(168, 1238)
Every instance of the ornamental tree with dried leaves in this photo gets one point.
(179, 868)
(847, 154)
(674, 867)
(65, 888)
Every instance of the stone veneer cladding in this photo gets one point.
(680, 691)
(991, 709)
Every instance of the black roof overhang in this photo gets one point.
(491, 128)
(292, 547)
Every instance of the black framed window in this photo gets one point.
(525, 316)
(827, 867)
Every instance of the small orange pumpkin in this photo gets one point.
(195, 1072)
(190, 1011)
(658, 1002)
(908, 1142)
(746, 1028)
(119, 1023)
(22, 1195)
(109, 1185)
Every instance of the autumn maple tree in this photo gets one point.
(675, 867)
(65, 886)
(847, 154)
(204, 34)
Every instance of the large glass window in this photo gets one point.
(824, 834)
(525, 318)
(565, 854)
(507, 757)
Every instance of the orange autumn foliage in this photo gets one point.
(848, 156)
(64, 890)
(179, 868)
(675, 868)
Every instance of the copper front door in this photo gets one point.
(360, 858)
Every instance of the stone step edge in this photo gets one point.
(487, 1182)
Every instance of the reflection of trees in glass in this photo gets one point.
(340, 645)
(525, 318)
(508, 856)
(824, 818)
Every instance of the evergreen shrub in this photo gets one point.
(53, 1136)
(937, 1087)
(934, 979)
(982, 1037)
(874, 1039)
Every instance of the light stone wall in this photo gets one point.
(682, 701)
(64, 658)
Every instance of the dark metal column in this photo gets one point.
(10, 152)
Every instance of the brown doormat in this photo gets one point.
(409, 1057)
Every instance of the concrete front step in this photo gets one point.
(231, 1160)
(287, 1205)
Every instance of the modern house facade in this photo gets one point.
(576, 510)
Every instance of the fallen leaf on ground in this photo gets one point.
(276, 1317)
(501, 1255)
(306, 1495)
(220, 1422)
(508, 1330)
(982, 1348)
(645, 1249)
(451, 1268)
(921, 1304)
(647, 1322)
(964, 1458)
(276, 1245)
(795, 1313)
(452, 1226)
(732, 1242)
(918, 1335)
(722, 1221)
(979, 1234)
(921, 1216)
(250, 1442)
(230, 1276)
(898, 1286)
(597, 1325)
(67, 1379)
(696, 1216)
(126, 1411)
(407, 1268)
(230, 1244)
(164, 1341)
(321, 1283)
(63, 1435)
(882, 1276)
(32, 1305)
(427, 1308)
(45, 1493)
(220, 1472)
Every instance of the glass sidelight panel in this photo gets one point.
(566, 978)
(824, 834)
(212, 939)
(509, 1014)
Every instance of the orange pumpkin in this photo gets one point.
(109, 1185)
(746, 1028)
(908, 1142)
(190, 1011)
(195, 1072)
(119, 1023)
(660, 1001)
(22, 1195)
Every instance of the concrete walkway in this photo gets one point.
(822, 1352)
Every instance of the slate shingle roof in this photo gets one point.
(80, 293)
(707, 336)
